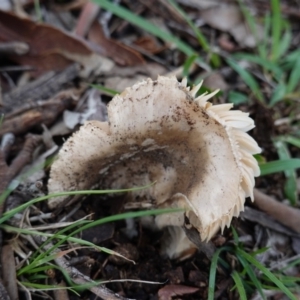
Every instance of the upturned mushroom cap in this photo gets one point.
(199, 154)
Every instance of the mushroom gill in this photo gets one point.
(199, 154)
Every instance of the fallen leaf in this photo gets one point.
(149, 44)
(44, 112)
(117, 51)
(223, 17)
(216, 81)
(229, 18)
(169, 291)
(49, 48)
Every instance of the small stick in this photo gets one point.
(79, 278)
(24, 157)
(17, 48)
(3, 293)
(9, 272)
(286, 215)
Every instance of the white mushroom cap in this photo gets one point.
(199, 154)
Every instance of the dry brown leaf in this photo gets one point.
(223, 17)
(88, 24)
(49, 48)
(169, 291)
(117, 51)
(87, 17)
(149, 44)
(45, 113)
(229, 18)
(68, 5)
(216, 81)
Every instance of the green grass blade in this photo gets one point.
(249, 270)
(286, 40)
(41, 259)
(291, 140)
(148, 27)
(279, 166)
(128, 215)
(276, 29)
(267, 273)
(235, 235)
(248, 79)
(296, 262)
(38, 11)
(289, 281)
(263, 46)
(252, 25)
(7, 215)
(263, 62)
(239, 285)
(294, 77)
(290, 186)
(201, 38)
(188, 64)
(291, 57)
(1, 119)
(61, 232)
(104, 89)
(213, 272)
(278, 94)
(237, 98)
(260, 251)
(44, 287)
(43, 269)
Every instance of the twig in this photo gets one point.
(79, 278)
(76, 276)
(61, 294)
(3, 171)
(17, 48)
(24, 157)
(16, 69)
(87, 16)
(6, 144)
(287, 215)
(283, 263)
(3, 293)
(7, 173)
(267, 221)
(46, 112)
(9, 272)
(42, 88)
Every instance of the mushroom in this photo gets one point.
(199, 155)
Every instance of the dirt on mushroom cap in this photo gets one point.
(199, 155)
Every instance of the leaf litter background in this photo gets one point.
(60, 63)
